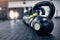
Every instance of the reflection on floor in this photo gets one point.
(16, 30)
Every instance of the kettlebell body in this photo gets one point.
(43, 26)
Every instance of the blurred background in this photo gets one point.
(19, 6)
(12, 27)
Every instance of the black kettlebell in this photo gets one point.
(44, 25)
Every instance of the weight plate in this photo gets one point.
(37, 26)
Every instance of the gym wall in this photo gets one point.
(17, 4)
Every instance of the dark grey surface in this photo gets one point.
(16, 30)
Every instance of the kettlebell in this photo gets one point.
(44, 25)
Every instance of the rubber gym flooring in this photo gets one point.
(16, 30)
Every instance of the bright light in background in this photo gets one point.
(0, 8)
(13, 14)
(16, 15)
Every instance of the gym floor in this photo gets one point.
(16, 30)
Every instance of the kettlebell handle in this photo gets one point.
(49, 4)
